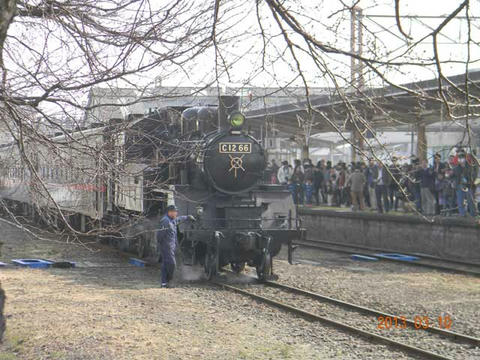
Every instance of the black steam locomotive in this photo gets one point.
(240, 220)
(201, 159)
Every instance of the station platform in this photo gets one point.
(447, 237)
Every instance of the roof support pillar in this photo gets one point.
(356, 142)
(422, 144)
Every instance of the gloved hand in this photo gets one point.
(191, 218)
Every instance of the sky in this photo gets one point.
(382, 41)
(252, 60)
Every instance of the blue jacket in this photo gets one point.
(167, 237)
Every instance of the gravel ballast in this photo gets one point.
(106, 308)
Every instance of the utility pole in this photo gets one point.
(356, 71)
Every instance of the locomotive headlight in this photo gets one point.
(237, 119)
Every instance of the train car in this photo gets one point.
(123, 176)
(62, 173)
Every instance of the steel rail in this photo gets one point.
(312, 244)
(369, 248)
(359, 308)
(314, 317)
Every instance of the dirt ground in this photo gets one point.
(106, 308)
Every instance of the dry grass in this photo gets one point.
(52, 316)
(120, 312)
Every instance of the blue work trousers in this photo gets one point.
(167, 272)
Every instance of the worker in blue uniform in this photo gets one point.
(167, 240)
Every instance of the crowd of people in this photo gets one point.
(436, 188)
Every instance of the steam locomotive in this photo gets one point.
(201, 159)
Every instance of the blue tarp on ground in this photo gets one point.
(32, 263)
(395, 256)
(363, 257)
(137, 262)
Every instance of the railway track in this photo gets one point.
(427, 261)
(361, 321)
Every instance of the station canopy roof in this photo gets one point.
(386, 109)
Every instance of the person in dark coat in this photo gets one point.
(393, 188)
(318, 182)
(382, 182)
(298, 178)
(464, 176)
(371, 174)
(427, 189)
(167, 240)
(439, 168)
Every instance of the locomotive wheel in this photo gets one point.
(264, 269)
(237, 267)
(210, 263)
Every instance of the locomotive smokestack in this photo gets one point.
(226, 105)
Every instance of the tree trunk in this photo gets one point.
(305, 152)
(7, 12)
(422, 145)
